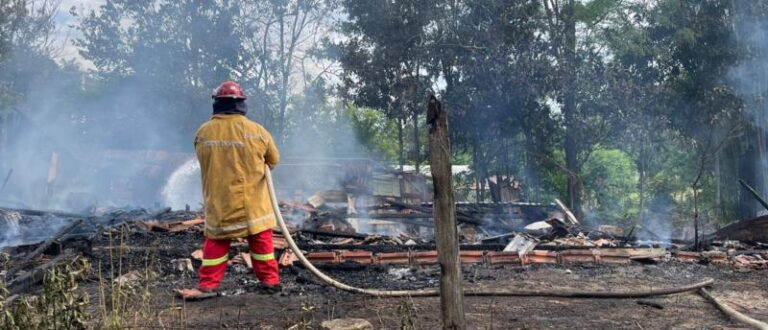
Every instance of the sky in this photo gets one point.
(65, 34)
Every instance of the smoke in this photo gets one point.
(657, 227)
(72, 153)
(16, 230)
(749, 77)
(12, 230)
(658, 221)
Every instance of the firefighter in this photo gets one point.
(233, 151)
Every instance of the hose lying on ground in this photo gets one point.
(435, 292)
(732, 313)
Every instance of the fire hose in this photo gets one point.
(469, 292)
(509, 293)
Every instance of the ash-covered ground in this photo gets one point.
(305, 302)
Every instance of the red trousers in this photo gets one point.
(216, 255)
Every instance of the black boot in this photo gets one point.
(269, 289)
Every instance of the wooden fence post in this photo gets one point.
(446, 234)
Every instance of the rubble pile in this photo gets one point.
(333, 237)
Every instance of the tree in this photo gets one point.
(184, 49)
(611, 185)
(749, 79)
(562, 17)
(386, 70)
(707, 110)
(12, 14)
(159, 69)
(493, 61)
(280, 35)
(25, 30)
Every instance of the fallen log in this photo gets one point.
(732, 313)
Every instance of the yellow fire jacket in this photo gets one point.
(232, 151)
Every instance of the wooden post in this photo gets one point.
(446, 234)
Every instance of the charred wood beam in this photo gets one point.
(408, 219)
(568, 214)
(331, 234)
(397, 248)
(629, 236)
(462, 216)
(752, 230)
(45, 245)
(409, 206)
(24, 282)
(754, 193)
(498, 237)
(116, 220)
(41, 213)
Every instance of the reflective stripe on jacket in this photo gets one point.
(232, 151)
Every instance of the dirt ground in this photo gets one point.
(305, 303)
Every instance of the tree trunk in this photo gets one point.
(569, 109)
(641, 184)
(475, 165)
(400, 142)
(446, 234)
(416, 144)
(761, 157)
(718, 185)
(3, 140)
(695, 218)
(283, 92)
(695, 187)
(748, 165)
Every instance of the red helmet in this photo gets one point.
(228, 89)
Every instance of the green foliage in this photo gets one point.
(592, 12)
(374, 131)
(610, 181)
(554, 178)
(12, 15)
(171, 51)
(60, 305)
(124, 297)
(407, 314)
